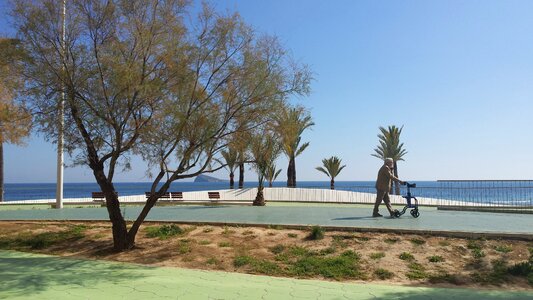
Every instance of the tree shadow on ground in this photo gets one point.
(455, 293)
(27, 275)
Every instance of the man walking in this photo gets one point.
(383, 185)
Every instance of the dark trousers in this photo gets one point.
(382, 195)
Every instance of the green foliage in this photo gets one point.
(42, 240)
(435, 259)
(257, 265)
(224, 244)
(503, 248)
(277, 249)
(418, 242)
(339, 267)
(477, 253)
(292, 235)
(389, 144)
(416, 271)
(242, 260)
(164, 231)
(204, 242)
(317, 233)
(406, 256)
(391, 240)
(212, 261)
(184, 246)
(331, 167)
(383, 274)
(377, 255)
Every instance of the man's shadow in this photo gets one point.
(361, 218)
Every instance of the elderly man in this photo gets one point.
(383, 185)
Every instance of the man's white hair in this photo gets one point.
(388, 159)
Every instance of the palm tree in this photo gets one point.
(390, 146)
(230, 157)
(264, 148)
(290, 123)
(272, 174)
(332, 168)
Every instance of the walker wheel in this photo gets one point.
(397, 214)
(415, 213)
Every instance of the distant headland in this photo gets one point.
(205, 178)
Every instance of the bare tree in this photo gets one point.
(139, 79)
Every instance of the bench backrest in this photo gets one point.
(168, 195)
(213, 195)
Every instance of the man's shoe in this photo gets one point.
(376, 215)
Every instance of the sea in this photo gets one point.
(505, 192)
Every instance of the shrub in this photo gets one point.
(406, 256)
(224, 244)
(383, 274)
(391, 240)
(292, 235)
(277, 249)
(416, 271)
(377, 255)
(503, 248)
(435, 258)
(317, 233)
(242, 260)
(164, 231)
(418, 242)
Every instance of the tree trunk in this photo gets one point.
(332, 184)
(291, 173)
(120, 232)
(259, 198)
(1, 171)
(241, 175)
(396, 183)
(270, 184)
(231, 180)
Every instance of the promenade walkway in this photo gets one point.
(31, 276)
(348, 216)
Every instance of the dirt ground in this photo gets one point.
(446, 262)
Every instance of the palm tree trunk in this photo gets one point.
(1, 172)
(291, 173)
(396, 183)
(332, 184)
(231, 180)
(260, 197)
(241, 175)
(270, 183)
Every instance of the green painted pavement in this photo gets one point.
(357, 217)
(31, 276)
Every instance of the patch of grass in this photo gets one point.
(406, 256)
(184, 246)
(270, 233)
(277, 249)
(444, 277)
(496, 276)
(248, 232)
(43, 240)
(503, 248)
(204, 242)
(339, 267)
(383, 274)
(164, 231)
(416, 271)
(327, 251)
(474, 245)
(224, 244)
(257, 265)
(292, 235)
(242, 260)
(299, 251)
(212, 261)
(227, 231)
(478, 253)
(377, 255)
(363, 239)
(208, 229)
(435, 258)
(418, 242)
(391, 240)
(317, 233)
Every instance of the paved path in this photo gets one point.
(338, 216)
(30, 276)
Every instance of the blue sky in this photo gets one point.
(458, 75)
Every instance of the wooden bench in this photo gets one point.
(213, 196)
(98, 196)
(168, 195)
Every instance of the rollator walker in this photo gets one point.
(414, 211)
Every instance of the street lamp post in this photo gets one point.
(61, 108)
